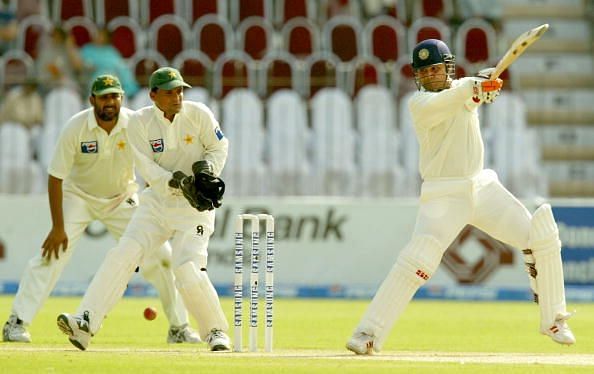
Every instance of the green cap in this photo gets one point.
(106, 84)
(167, 79)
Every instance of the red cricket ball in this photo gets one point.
(150, 313)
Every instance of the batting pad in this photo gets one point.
(414, 266)
(156, 268)
(110, 282)
(546, 249)
(200, 298)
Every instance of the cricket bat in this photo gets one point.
(517, 48)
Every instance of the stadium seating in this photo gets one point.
(379, 166)
(365, 71)
(18, 172)
(243, 124)
(195, 67)
(384, 37)
(286, 10)
(83, 29)
(213, 36)
(169, 35)
(287, 145)
(277, 72)
(59, 105)
(63, 10)
(108, 10)
(233, 70)
(476, 42)
(333, 143)
(255, 37)
(200, 8)
(31, 30)
(15, 67)
(300, 37)
(144, 62)
(321, 70)
(126, 35)
(341, 36)
(428, 28)
(242, 9)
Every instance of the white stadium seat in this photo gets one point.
(287, 143)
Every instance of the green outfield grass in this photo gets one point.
(452, 337)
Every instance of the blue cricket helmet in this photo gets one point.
(430, 52)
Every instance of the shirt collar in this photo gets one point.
(121, 124)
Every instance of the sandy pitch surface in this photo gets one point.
(403, 356)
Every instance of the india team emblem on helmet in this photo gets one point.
(157, 145)
(424, 54)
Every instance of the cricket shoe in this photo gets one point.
(15, 331)
(182, 334)
(218, 341)
(560, 331)
(77, 328)
(360, 343)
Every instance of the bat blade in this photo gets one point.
(518, 47)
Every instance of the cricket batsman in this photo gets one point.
(457, 191)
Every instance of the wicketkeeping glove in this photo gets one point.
(203, 190)
(209, 186)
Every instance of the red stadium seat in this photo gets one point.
(278, 68)
(144, 63)
(365, 71)
(384, 38)
(286, 10)
(82, 29)
(254, 36)
(428, 28)
(333, 8)
(301, 37)
(195, 67)
(150, 10)
(321, 70)
(475, 41)
(108, 10)
(341, 36)
(442, 9)
(213, 35)
(242, 9)
(31, 30)
(169, 35)
(233, 70)
(201, 8)
(65, 9)
(126, 35)
(15, 67)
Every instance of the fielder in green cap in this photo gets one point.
(167, 78)
(167, 91)
(105, 84)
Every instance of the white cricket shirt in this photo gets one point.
(448, 131)
(163, 147)
(92, 161)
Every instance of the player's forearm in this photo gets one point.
(54, 190)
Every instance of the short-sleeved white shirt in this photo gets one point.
(91, 160)
(164, 147)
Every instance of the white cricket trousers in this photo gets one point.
(40, 275)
